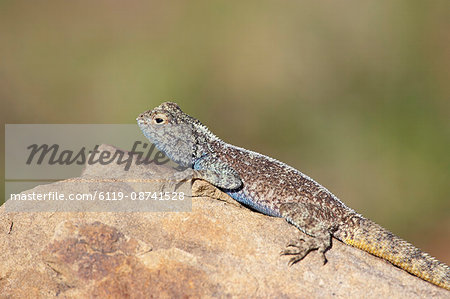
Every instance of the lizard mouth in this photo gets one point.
(141, 122)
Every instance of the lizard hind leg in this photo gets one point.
(318, 235)
(301, 247)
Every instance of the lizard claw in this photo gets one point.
(295, 243)
(294, 260)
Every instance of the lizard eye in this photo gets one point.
(159, 119)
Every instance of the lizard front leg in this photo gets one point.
(210, 169)
(216, 172)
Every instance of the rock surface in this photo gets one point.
(219, 249)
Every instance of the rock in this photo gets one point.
(219, 249)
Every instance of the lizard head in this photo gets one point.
(175, 133)
(160, 115)
(166, 113)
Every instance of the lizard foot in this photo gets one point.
(174, 181)
(301, 247)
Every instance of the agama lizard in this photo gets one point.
(276, 189)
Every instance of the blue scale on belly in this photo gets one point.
(242, 197)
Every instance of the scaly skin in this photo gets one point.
(276, 189)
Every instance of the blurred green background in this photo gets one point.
(354, 94)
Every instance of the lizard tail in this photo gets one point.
(376, 240)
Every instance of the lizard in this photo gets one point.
(276, 189)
